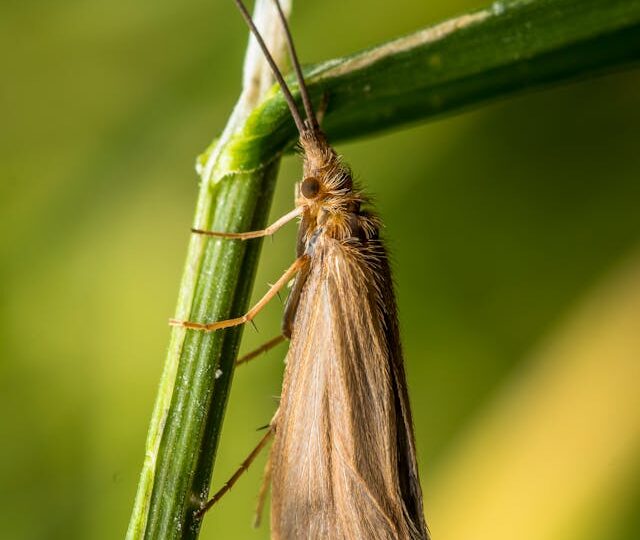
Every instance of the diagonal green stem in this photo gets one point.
(510, 47)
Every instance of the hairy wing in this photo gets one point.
(343, 457)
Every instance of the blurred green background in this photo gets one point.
(515, 233)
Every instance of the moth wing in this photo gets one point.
(407, 464)
(343, 430)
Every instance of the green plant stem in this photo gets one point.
(507, 48)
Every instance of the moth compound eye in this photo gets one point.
(310, 187)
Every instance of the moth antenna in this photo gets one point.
(306, 101)
(274, 68)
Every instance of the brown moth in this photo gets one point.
(343, 460)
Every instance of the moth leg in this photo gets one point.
(262, 494)
(254, 234)
(291, 306)
(234, 478)
(262, 349)
(297, 265)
